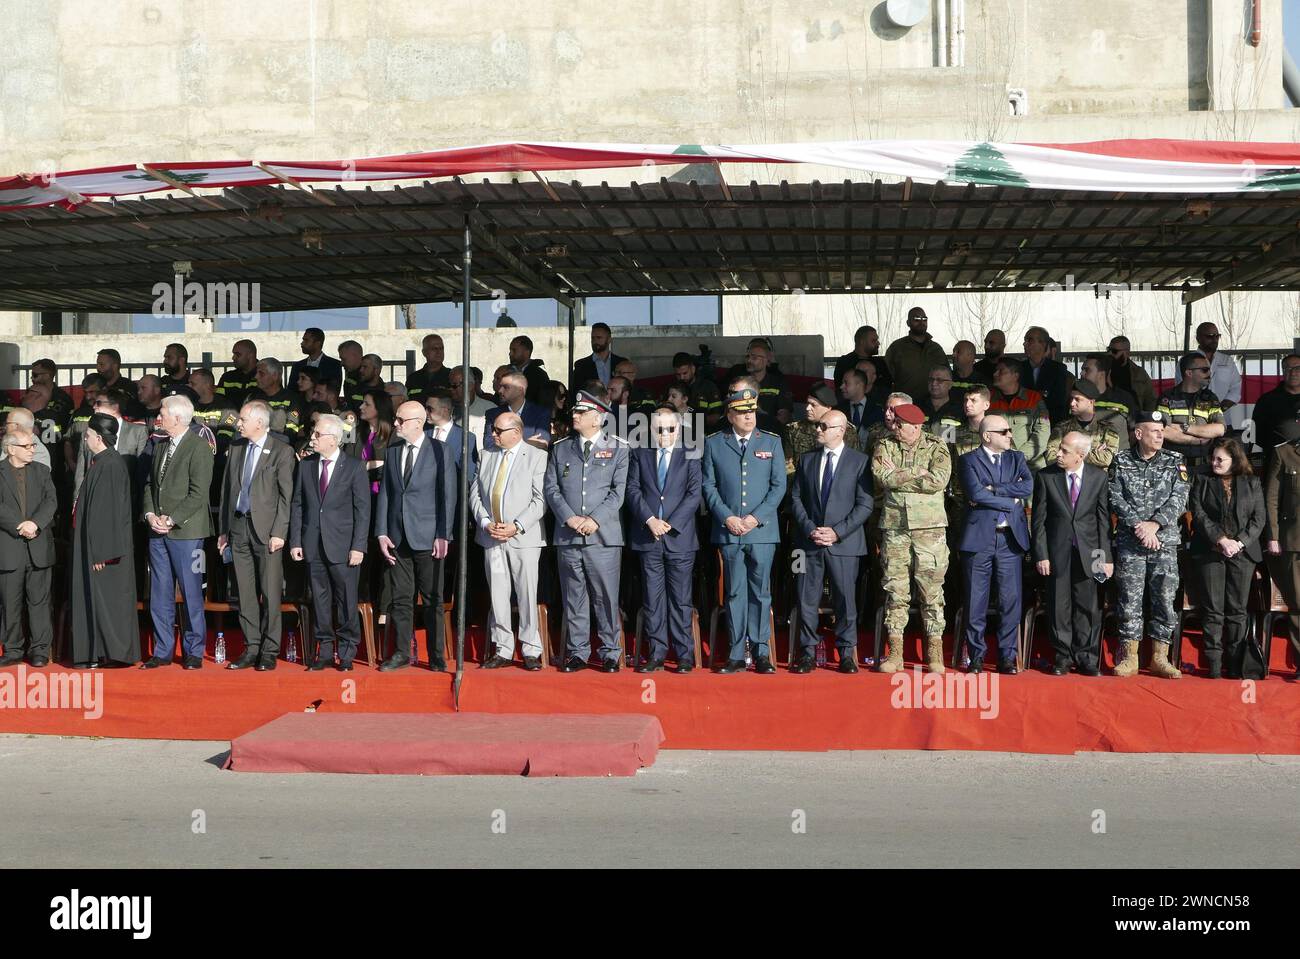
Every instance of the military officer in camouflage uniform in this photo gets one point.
(962, 439)
(1193, 414)
(1148, 492)
(586, 479)
(913, 468)
(1083, 418)
(744, 482)
(880, 431)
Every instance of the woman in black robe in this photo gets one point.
(104, 621)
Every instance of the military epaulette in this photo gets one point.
(768, 433)
(617, 439)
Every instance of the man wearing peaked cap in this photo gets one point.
(586, 479)
(744, 481)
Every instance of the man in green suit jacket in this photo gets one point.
(176, 513)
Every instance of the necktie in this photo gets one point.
(997, 458)
(1074, 491)
(586, 451)
(857, 415)
(250, 463)
(828, 474)
(743, 444)
(167, 457)
(409, 465)
(663, 478)
(324, 478)
(499, 487)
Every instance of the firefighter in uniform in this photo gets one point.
(288, 408)
(1148, 492)
(586, 480)
(1193, 414)
(241, 379)
(744, 482)
(703, 395)
(1024, 410)
(1084, 419)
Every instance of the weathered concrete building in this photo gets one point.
(84, 84)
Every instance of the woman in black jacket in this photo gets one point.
(1227, 508)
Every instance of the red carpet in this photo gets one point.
(429, 744)
(1034, 712)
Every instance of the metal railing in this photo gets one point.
(71, 374)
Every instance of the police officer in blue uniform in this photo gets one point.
(744, 482)
(585, 482)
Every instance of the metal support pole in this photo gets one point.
(570, 367)
(1187, 327)
(462, 525)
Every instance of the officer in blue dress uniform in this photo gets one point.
(744, 482)
(585, 482)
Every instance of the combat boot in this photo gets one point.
(934, 654)
(1160, 664)
(894, 662)
(1128, 666)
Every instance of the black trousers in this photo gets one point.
(259, 574)
(1225, 588)
(27, 588)
(1074, 612)
(416, 570)
(334, 598)
(843, 571)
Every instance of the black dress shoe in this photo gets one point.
(650, 666)
(438, 665)
(1007, 669)
(1087, 671)
(192, 662)
(8, 659)
(848, 664)
(265, 665)
(317, 665)
(609, 666)
(975, 666)
(685, 666)
(344, 667)
(532, 663)
(395, 661)
(38, 662)
(573, 664)
(806, 663)
(498, 662)
(732, 666)
(246, 659)
(153, 662)
(763, 665)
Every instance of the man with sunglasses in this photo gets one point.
(1279, 405)
(1225, 378)
(663, 498)
(1128, 376)
(1193, 417)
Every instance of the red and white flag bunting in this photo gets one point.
(1112, 166)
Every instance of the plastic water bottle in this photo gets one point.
(749, 656)
(291, 653)
(965, 659)
(868, 660)
(414, 648)
(821, 653)
(219, 654)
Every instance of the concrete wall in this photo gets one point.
(89, 83)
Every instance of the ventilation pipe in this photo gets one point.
(1290, 79)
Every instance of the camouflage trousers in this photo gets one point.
(913, 557)
(1152, 571)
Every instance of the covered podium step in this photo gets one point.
(450, 744)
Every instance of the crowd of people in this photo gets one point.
(921, 479)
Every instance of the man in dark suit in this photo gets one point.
(313, 351)
(663, 497)
(1038, 371)
(1071, 517)
(253, 519)
(521, 359)
(831, 503)
(176, 497)
(443, 428)
(536, 419)
(600, 365)
(997, 482)
(329, 522)
(27, 507)
(417, 509)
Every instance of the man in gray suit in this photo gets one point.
(328, 527)
(585, 483)
(27, 506)
(508, 502)
(256, 497)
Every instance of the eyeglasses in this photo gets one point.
(999, 432)
(498, 431)
(1198, 369)
(666, 429)
(823, 427)
(22, 446)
